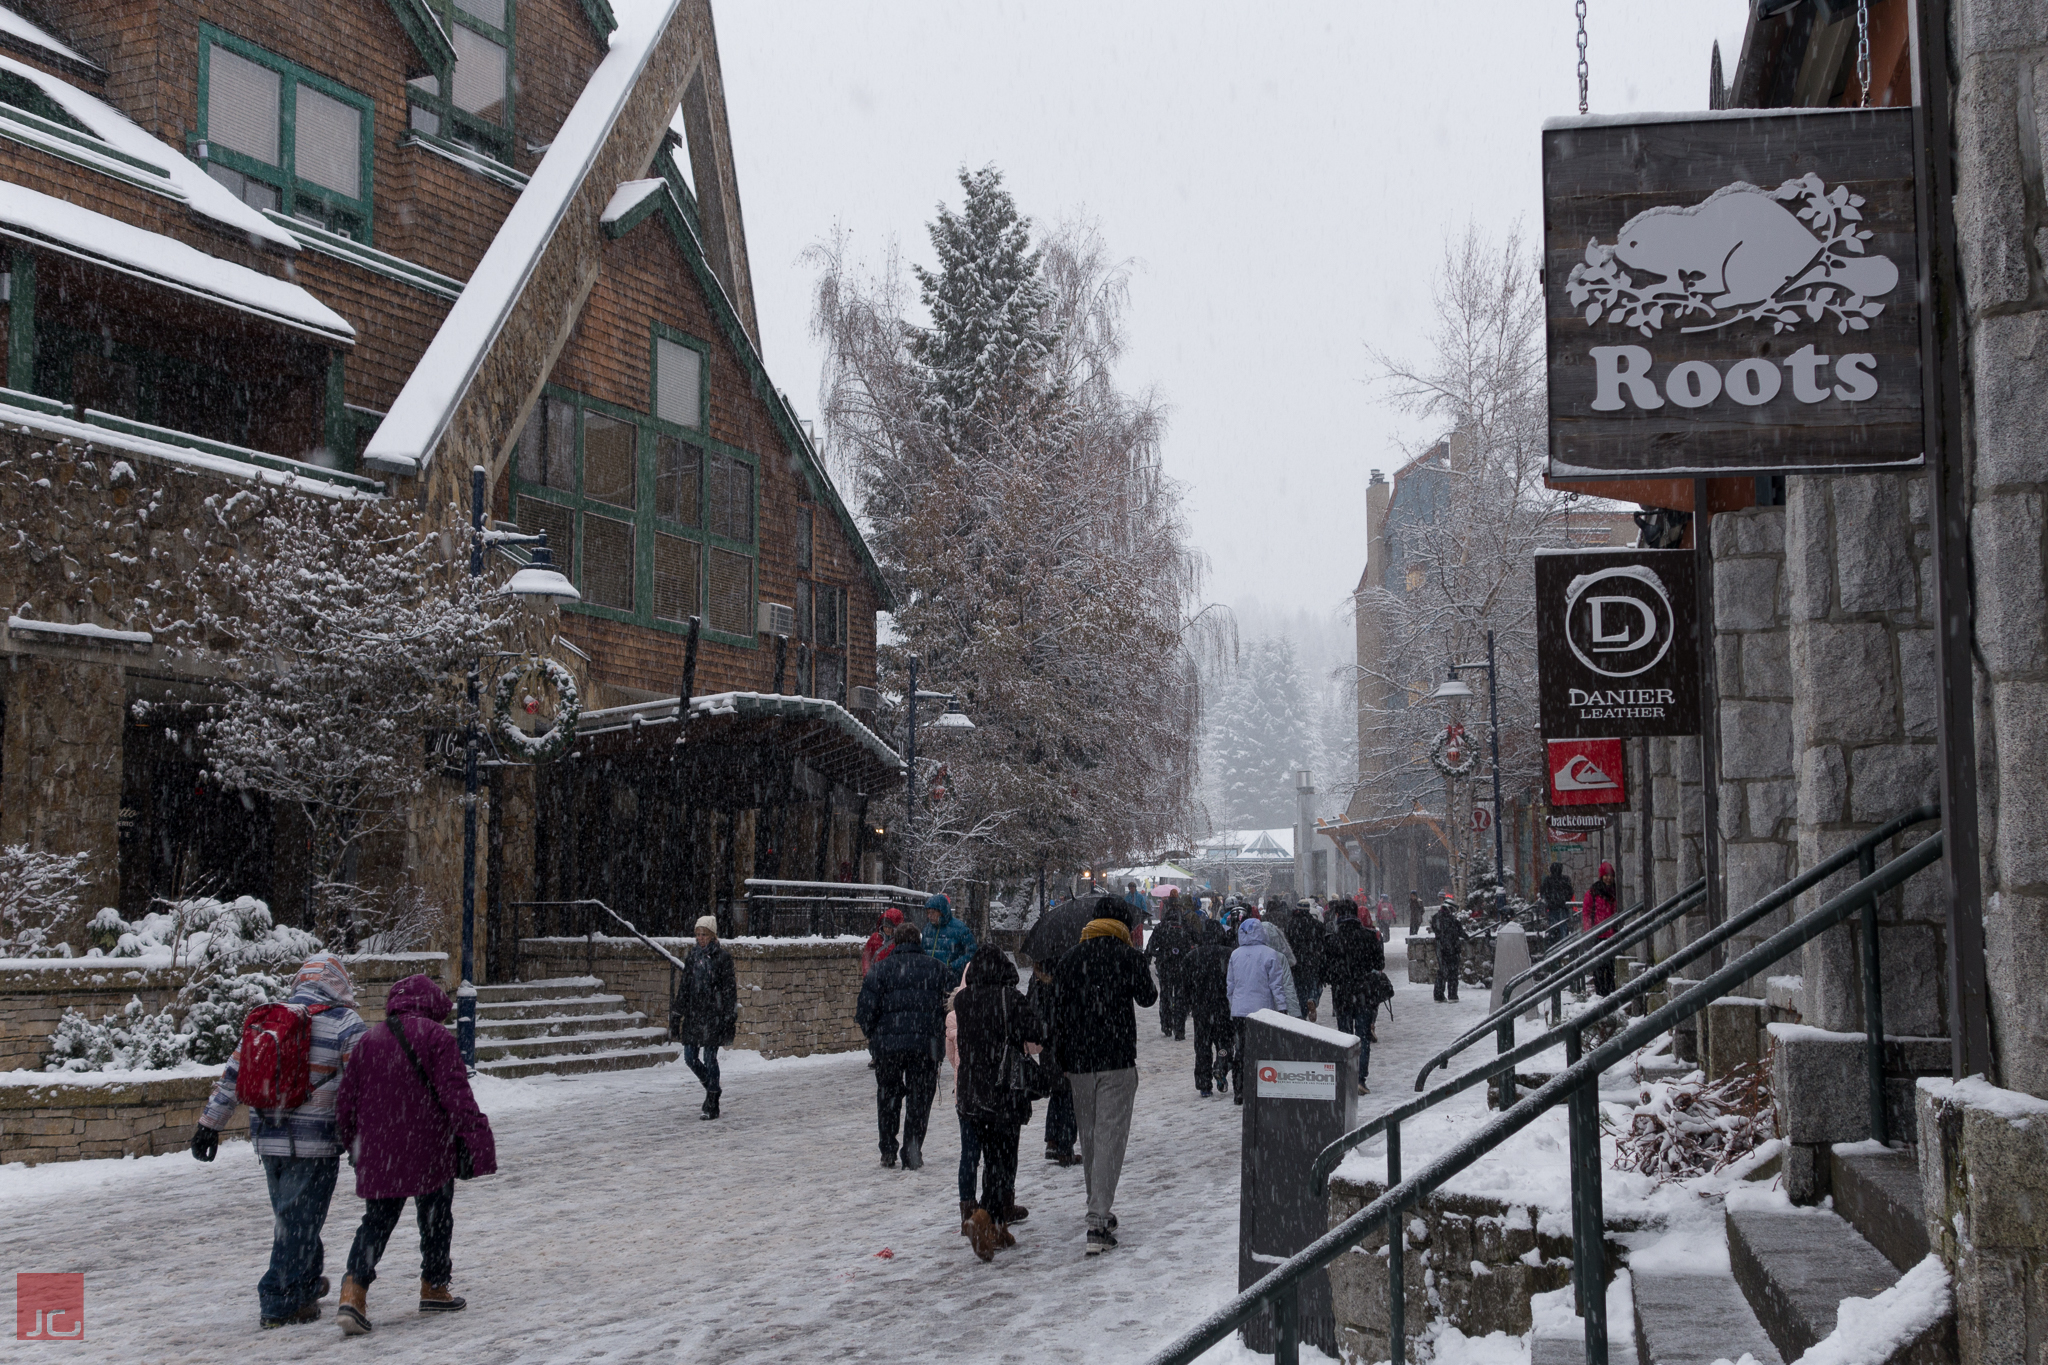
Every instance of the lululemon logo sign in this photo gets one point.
(1619, 620)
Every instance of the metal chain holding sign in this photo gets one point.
(1582, 56)
(1862, 52)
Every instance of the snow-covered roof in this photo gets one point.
(420, 415)
(629, 196)
(21, 30)
(1249, 843)
(58, 224)
(184, 180)
(648, 714)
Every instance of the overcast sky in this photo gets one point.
(1281, 177)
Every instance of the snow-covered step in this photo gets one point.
(568, 1044)
(1878, 1191)
(493, 1010)
(560, 986)
(1696, 1320)
(1796, 1265)
(556, 1025)
(623, 1059)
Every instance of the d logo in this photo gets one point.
(1625, 627)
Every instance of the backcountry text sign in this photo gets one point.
(1616, 651)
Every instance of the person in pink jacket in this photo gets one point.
(411, 1129)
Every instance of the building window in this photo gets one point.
(282, 138)
(821, 632)
(474, 105)
(654, 524)
(803, 539)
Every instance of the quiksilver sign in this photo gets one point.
(1616, 652)
(1731, 293)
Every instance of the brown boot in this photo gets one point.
(981, 1235)
(967, 1207)
(354, 1313)
(1017, 1214)
(435, 1298)
(1003, 1237)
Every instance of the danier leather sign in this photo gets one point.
(1616, 655)
(1731, 293)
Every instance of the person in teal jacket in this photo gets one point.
(947, 939)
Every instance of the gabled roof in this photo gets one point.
(23, 36)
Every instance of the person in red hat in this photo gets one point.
(1597, 908)
(881, 942)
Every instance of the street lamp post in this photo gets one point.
(952, 718)
(538, 579)
(1454, 689)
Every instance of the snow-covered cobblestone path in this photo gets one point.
(623, 1229)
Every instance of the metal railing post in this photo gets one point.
(1873, 1005)
(1287, 1325)
(1506, 1043)
(1589, 1217)
(1397, 1235)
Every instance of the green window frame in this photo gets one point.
(687, 557)
(287, 174)
(456, 104)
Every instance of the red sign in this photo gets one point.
(1586, 772)
(1482, 819)
(49, 1307)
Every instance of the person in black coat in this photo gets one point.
(1355, 954)
(902, 1011)
(1166, 952)
(1208, 977)
(991, 1018)
(1450, 949)
(1098, 986)
(1310, 941)
(1060, 1130)
(705, 1013)
(1556, 894)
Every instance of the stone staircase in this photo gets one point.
(1791, 1269)
(563, 1027)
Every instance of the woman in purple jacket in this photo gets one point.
(404, 1114)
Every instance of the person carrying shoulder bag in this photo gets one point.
(411, 1129)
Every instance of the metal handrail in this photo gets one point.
(1569, 963)
(1561, 960)
(1280, 1287)
(1859, 853)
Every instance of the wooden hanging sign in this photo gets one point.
(1731, 293)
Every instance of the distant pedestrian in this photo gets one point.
(902, 1011)
(290, 1080)
(1450, 949)
(1166, 953)
(1414, 912)
(706, 1014)
(412, 1129)
(1355, 954)
(1100, 984)
(949, 942)
(1208, 989)
(1257, 979)
(1555, 892)
(1598, 908)
(881, 942)
(990, 1020)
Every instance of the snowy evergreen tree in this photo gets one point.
(1264, 730)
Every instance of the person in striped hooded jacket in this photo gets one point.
(300, 1155)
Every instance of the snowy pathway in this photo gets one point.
(623, 1229)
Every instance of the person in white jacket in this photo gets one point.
(1258, 980)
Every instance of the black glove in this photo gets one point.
(205, 1142)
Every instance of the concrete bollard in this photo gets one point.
(1510, 959)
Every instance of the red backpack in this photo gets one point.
(275, 1071)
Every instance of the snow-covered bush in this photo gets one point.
(37, 892)
(133, 1040)
(240, 958)
(1692, 1127)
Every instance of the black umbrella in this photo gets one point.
(1060, 927)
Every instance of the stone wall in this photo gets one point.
(60, 765)
(797, 996)
(1475, 1263)
(65, 1121)
(34, 996)
(1863, 727)
(1983, 1186)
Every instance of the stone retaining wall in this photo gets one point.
(35, 994)
(65, 1121)
(797, 996)
(1475, 1262)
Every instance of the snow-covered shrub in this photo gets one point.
(213, 1023)
(37, 891)
(401, 920)
(1692, 1127)
(133, 1040)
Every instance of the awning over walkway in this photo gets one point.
(823, 734)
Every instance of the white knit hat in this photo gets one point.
(710, 923)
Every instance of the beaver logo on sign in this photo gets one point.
(1618, 620)
(1787, 256)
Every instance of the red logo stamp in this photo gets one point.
(49, 1307)
(1587, 772)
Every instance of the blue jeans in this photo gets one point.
(1359, 1023)
(300, 1189)
(970, 1159)
(703, 1061)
